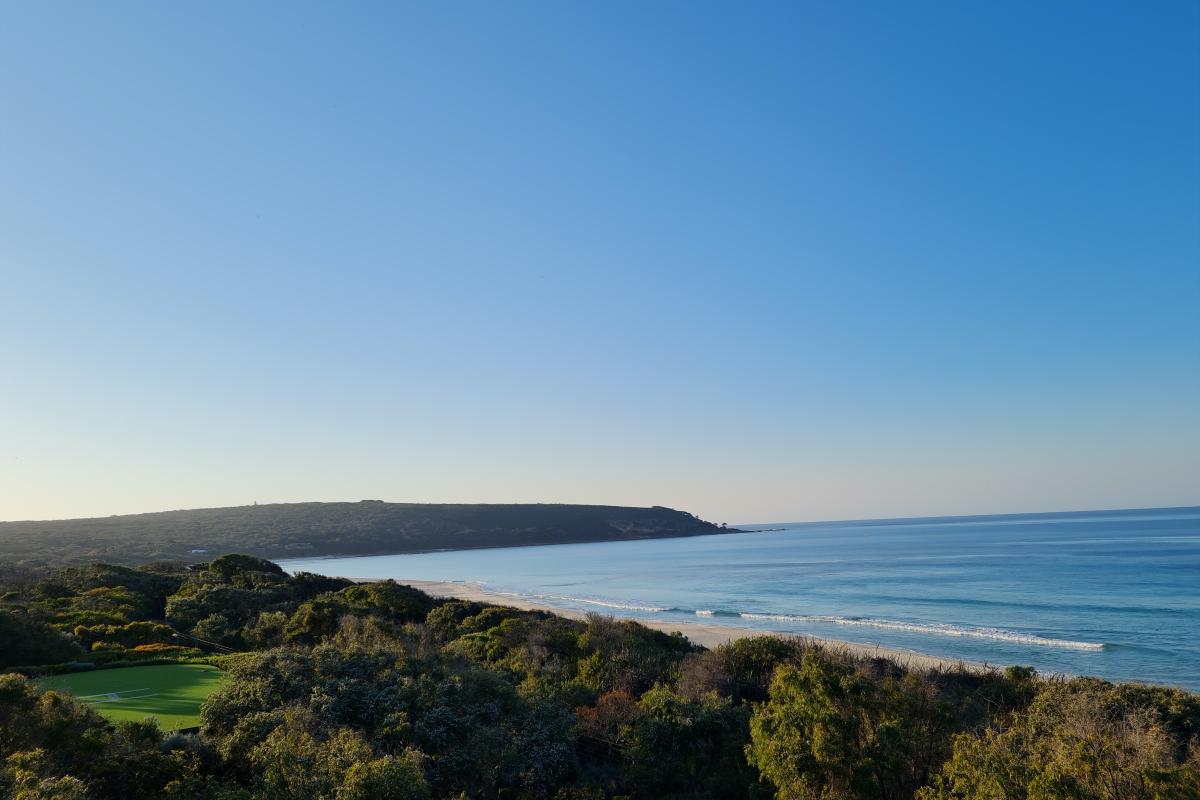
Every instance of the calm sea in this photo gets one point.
(1111, 593)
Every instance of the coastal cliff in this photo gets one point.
(369, 527)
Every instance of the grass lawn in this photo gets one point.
(171, 692)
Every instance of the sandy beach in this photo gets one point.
(706, 635)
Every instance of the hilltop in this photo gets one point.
(368, 527)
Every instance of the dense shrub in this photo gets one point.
(348, 692)
(29, 641)
(1081, 740)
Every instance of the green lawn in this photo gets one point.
(172, 692)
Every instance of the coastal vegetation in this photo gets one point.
(341, 691)
(293, 530)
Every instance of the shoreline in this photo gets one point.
(706, 635)
(292, 556)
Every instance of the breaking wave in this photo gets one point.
(604, 603)
(936, 629)
(925, 628)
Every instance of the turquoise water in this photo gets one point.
(1112, 593)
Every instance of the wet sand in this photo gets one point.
(706, 635)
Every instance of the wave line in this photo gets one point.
(939, 629)
(603, 603)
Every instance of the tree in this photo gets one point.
(740, 669)
(234, 564)
(677, 748)
(53, 746)
(297, 764)
(216, 628)
(386, 778)
(1080, 740)
(387, 601)
(20, 780)
(542, 749)
(625, 655)
(29, 641)
(832, 732)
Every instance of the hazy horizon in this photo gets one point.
(1034, 512)
(812, 263)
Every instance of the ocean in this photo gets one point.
(1114, 594)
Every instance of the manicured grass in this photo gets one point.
(172, 692)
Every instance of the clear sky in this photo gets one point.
(758, 261)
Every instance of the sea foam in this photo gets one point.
(604, 603)
(926, 628)
(936, 629)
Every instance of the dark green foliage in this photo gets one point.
(224, 602)
(385, 778)
(235, 565)
(628, 656)
(53, 746)
(1084, 739)
(306, 584)
(354, 691)
(316, 529)
(130, 634)
(149, 585)
(387, 601)
(29, 641)
(831, 729)
(740, 669)
(299, 760)
(677, 748)
(444, 620)
(55, 724)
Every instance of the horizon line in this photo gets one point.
(826, 521)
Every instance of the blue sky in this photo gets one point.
(772, 262)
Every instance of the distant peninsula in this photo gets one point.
(368, 527)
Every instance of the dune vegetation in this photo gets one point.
(341, 691)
